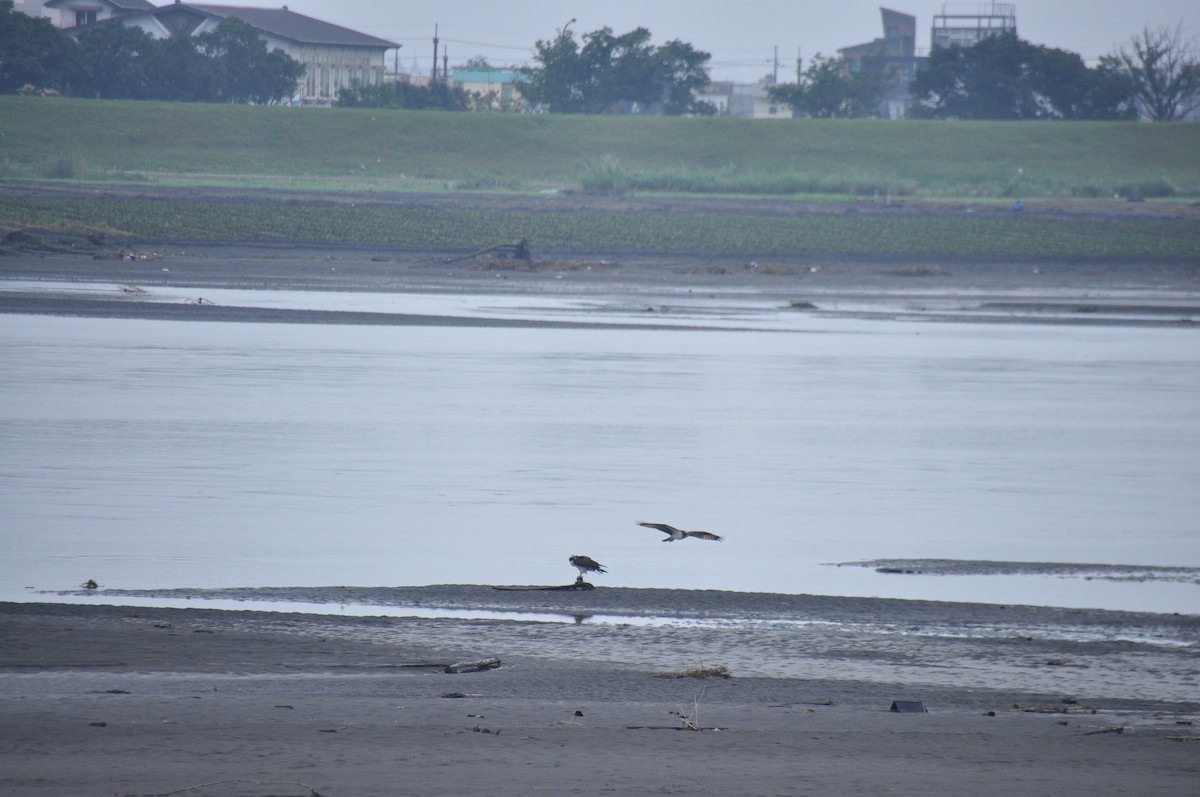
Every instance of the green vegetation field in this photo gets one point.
(97, 140)
(332, 150)
(934, 236)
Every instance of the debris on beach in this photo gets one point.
(473, 666)
(1067, 708)
(687, 722)
(572, 720)
(716, 671)
(517, 251)
(808, 703)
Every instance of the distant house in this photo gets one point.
(744, 100)
(496, 88)
(73, 13)
(896, 53)
(333, 57)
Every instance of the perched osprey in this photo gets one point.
(586, 564)
(678, 534)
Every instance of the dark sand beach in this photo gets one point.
(117, 700)
(110, 700)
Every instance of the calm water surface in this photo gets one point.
(162, 454)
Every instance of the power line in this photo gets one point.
(493, 46)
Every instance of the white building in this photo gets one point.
(333, 56)
(87, 12)
(744, 100)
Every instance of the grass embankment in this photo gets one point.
(933, 236)
(353, 148)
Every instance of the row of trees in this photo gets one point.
(1004, 77)
(828, 89)
(229, 64)
(610, 72)
(603, 73)
(1157, 75)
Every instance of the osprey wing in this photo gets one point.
(705, 535)
(663, 527)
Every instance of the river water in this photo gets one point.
(157, 454)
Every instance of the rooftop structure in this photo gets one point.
(966, 25)
(895, 53)
(899, 39)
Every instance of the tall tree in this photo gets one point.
(681, 70)
(1067, 89)
(828, 89)
(1004, 77)
(1164, 65)
(556, 84)
(246, 71)
(989, 80)
(611, 72)
(183, 73)
(122, 62)
(35, 53)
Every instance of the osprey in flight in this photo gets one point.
(678, 534)
(586, 564)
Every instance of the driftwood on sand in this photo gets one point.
(519, 251)
(473, 666)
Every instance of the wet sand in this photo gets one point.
(114, 700)
(994, 290)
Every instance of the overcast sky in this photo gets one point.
(741, 35)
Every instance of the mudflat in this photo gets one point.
(625, 691)
(993, 288)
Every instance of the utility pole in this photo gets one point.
(775, 69)
(433, 78)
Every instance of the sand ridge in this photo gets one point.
(146, 701)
